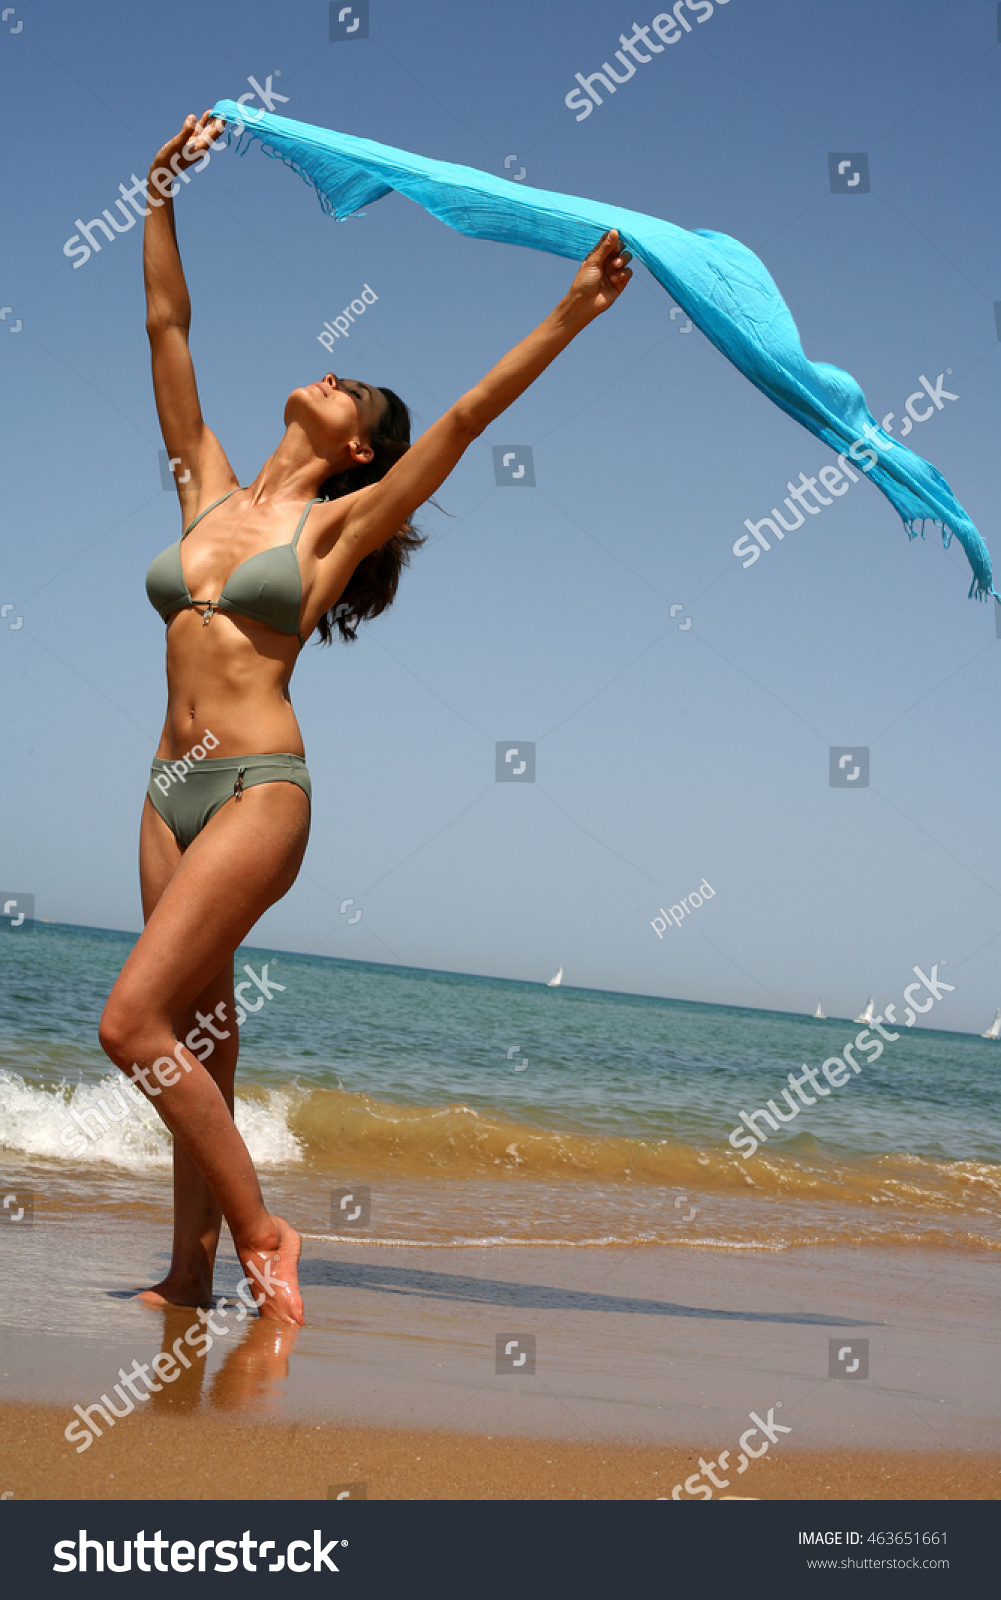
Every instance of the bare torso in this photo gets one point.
(230, 676)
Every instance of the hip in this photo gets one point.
(188, 792)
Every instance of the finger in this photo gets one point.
(608, 245)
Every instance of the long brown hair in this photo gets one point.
(373, 584)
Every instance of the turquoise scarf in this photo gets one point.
(717, 281)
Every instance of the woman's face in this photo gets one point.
(337, 412)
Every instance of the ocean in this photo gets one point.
(462, 1110)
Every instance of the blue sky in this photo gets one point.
(665, 755)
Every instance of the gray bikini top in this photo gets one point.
(266, 587)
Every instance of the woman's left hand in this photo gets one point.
(602, 275)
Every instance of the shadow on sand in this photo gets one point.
(387, 1279)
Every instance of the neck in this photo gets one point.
(293, 472)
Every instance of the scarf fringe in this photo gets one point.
(326, 204)
(915, 528)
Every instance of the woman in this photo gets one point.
(240, 597)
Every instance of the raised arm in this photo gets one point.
(376, 512)
(201, 470)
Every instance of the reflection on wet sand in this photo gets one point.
(255, 1366)
(255, 1369)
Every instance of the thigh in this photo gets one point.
(201, 904)
(160, 855)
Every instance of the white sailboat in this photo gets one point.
(819, 1013)
(869, 1012)
(554, 983)
(994, 1031)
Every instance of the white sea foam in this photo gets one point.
(129, 1134)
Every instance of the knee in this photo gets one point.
(118, 1032)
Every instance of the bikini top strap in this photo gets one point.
(205, 513)
(302, 519)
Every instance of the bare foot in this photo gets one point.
(172, 1292)
(274, 1280)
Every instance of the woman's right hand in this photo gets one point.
(190, 145)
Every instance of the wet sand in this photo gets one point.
(644, 1360)
(162, 1457)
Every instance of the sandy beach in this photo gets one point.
(644, 1361)
(554, 1284)
(178, 1458)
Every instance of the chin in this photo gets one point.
(300, 399)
